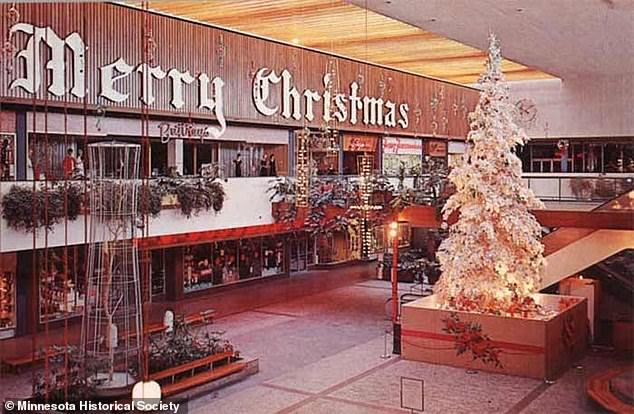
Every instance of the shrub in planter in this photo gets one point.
(64, 384)
(202, 194)
(282, 189)
(181, 346)
(26, 209)
(149, 200)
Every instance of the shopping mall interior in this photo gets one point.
(317, 206)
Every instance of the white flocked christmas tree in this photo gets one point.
(492, 259)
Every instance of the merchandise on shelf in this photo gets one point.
(7, 300)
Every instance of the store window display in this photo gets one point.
(250, 260)
(228, 250)
(7, 157)
(198, 272)
(230, 261)
(158, 272)
(273, 255)
(7, 304)
(401, 156)
(62, 283)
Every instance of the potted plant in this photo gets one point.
(283, 192)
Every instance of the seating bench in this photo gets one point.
(202, 378)
(194, 380)
(17, 362)
(150, 329)
(190, 366)
(200, 317)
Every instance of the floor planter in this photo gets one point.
(533, 348)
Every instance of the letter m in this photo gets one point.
(372, 111)
(31, 61)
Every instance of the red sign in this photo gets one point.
(359, 143)
(436, 148)
(402, 146)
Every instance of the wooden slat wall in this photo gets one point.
(112, 31)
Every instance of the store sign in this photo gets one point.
(436, 148)
(110, 75)
(359, 143)
(349, 107)
(184, 130)
(402, 146)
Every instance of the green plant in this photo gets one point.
(64, 382)
(27, 209)
(149, 199)
(200, 194)
(282, 189)
(182, 346)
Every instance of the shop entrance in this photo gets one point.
(301, 248)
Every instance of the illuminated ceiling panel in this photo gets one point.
(344, 29)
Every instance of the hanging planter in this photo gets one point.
(25, 209)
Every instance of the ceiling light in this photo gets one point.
(295, 41)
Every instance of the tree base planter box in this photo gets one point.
(535, 348)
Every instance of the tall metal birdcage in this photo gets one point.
(112, 331)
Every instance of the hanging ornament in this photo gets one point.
(9, 48)
(150, 46)
(445, 122)
(252, 70)
(221, 50)
(101, 116)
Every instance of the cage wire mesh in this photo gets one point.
(112, 331)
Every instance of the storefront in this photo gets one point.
(174, 148)
(324, 152)
(7, 295)
(436, 151)
(578, 155)
(402, 156)
(455, 151)
(221, 263)
(355, 147)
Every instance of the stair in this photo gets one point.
(570, 250)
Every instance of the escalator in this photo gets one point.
(571, 250)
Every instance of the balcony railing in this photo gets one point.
(579, 187)
(246, 204)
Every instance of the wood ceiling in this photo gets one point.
(347, 30)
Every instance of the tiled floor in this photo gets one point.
(322, 353)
